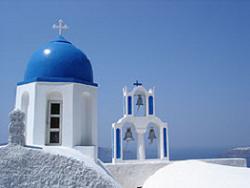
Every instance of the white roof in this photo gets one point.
(198, 174)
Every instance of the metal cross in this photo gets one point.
(137, 83)
(60, 26)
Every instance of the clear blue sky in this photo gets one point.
(196, 54)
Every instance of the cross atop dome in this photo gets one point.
(60, 26)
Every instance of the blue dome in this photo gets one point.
(59, 61)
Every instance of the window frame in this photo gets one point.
(49, 116)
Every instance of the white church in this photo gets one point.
(59, 98)
(53, 133)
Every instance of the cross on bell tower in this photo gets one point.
(60, 26)
(137, 83)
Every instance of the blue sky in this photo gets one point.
(196, 54)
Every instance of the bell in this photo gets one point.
(128, 135)
(139, 102)
(151, 135)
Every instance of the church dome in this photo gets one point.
(59, 61)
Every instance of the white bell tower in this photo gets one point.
(139, 113)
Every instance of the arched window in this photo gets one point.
(84, 137)
(150, 105)
(25, 109)
(25, 106)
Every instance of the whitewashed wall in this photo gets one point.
(134, 174)
(79, 116)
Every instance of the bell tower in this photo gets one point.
(140, 125)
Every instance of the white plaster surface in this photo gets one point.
(89, 151)
(22, 167)
(79, 112)
(199, 174)
(140, 124)
(134, 173)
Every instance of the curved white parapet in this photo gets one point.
(197, 174)
(134, 173)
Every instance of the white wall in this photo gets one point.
(132, 174)
(27, 92)
(79, 116)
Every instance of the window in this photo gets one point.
(54, 122)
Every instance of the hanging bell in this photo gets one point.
(139, 102)
(151, 135)
(128, 135)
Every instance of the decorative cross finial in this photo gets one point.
(60, 26)
(137, 83)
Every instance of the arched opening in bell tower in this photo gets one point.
(129, 142)
(139, 105)
(152, 141)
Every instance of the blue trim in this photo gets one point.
(49, 79)
(165, 141)
(129, 105)
(150, 105)
(113, 138)
(118, 143)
